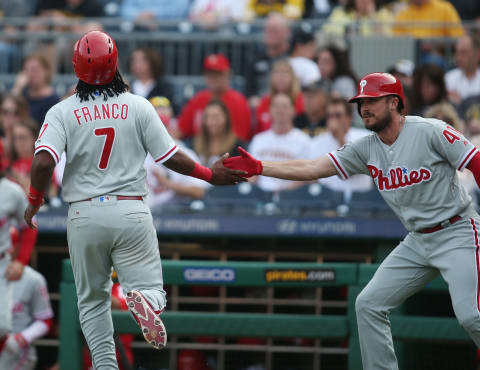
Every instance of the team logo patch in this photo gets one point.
(363, 83)
(398, 177)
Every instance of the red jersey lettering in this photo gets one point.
(399, 177)
(86, 113)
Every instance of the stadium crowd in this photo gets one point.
(293, 103)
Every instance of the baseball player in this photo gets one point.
(413, 162)
(106, 133)
(12, 204)
(25, 312)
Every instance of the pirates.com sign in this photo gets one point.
(299, 275)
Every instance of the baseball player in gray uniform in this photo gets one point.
(106, 133)
(28, 317)
(25, 312)
(413, 162)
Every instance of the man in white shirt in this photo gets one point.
(281, 142)
(464, 81)
(340, 132)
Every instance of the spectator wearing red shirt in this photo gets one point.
(217, 78)
(282, 80)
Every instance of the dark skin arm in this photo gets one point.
(40, 173)
(43, 165)
(182, 163)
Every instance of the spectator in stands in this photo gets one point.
(217, 78)
(276, 42)
(146, 67)
(282, 142)
(34, 83)
(289, 8)
(313, 120)
(14, 109)
(24, 135)
(340, 132)
(427, 19)
(165, 185)
(72, 8)
(428, 88)
(213, 13)
(151, 10)
(446, 112)
(302, 54)
(216, 136)
(282, 80)
(359, 17)
(335, 67)
(165, 111)
(469, 110)
(403, 70)
(464, 81)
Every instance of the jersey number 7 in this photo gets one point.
(109, 133)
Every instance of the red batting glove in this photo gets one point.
(244, 162)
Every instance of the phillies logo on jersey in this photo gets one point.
(398, 177)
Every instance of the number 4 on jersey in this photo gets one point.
(451, 134)
(109, 133)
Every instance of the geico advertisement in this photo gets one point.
(298, 275)
(202, 274)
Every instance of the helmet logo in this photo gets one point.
(363, 83)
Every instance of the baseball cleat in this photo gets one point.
(152, 326)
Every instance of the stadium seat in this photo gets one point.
(368, 203)
(312, 199)
(244, 198)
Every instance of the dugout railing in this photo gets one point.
(269, 325)
(319, 327)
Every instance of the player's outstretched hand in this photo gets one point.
(222, 175)
(245, 162)
(30, 212)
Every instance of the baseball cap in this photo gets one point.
(160, 101)
(403, 66)
(216, 62)
(303, 34)
(318, 85)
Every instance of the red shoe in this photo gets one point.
(152, 326)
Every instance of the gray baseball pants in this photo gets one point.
(105, 233)
(419, 258)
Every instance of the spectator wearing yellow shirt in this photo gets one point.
(359, 17)
(428, 19)
(293, 9)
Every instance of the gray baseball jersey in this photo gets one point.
(106, 143)
(30, 300)
(13, 203)
(416, 175)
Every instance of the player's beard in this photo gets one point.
(381, 124)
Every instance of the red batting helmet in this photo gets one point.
(95, 58)
(377, 84)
